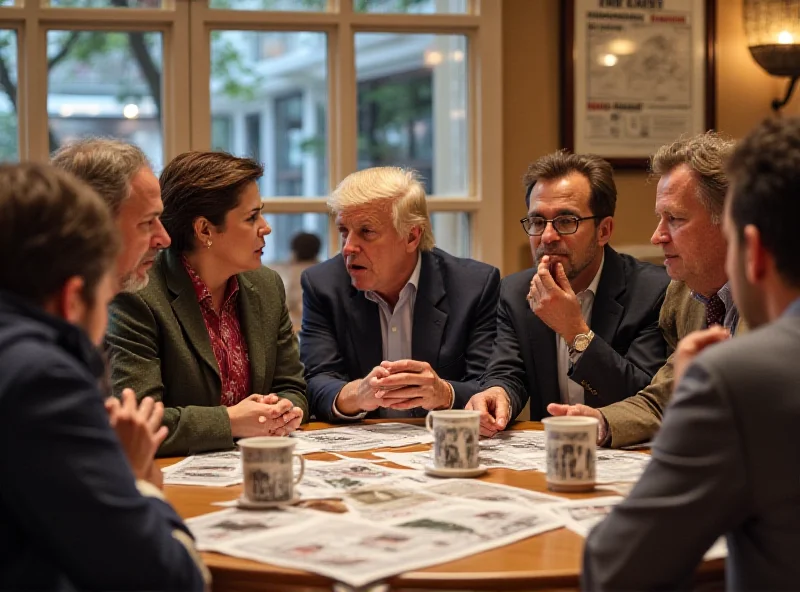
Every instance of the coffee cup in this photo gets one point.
(268, 468)
(455, 438)
(571, 450)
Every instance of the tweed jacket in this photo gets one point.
(637, 418)
(159, 347)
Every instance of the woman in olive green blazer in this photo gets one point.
(158, 339)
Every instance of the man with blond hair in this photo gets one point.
(392, 326)
(121, 174)
(690, 198)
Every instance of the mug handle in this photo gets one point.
(302, 467)
(429, 422)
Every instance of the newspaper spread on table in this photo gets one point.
(580, 516)
(216, 469)
(517, 450)
(397, 519)
(361, 437)
(356, 551)
(525, 451)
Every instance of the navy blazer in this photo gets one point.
(453, 327)
(627, 350)
(72, 516)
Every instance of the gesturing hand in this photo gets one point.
(556, 303)
(585, 411)
(495, 408)
(690, 347)
(139, 430)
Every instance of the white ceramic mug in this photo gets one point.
(571, 448)
(268, 468)
(455, 438)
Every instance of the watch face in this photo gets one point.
(581, 342)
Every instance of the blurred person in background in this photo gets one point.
(305, 253)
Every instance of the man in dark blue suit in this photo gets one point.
(80, 506)
(393, 327)
(581, 327)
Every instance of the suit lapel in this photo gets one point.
(543, 342)
(606, 310)
(427, 328)
(254, 330)
(365, 335)
(187, 310)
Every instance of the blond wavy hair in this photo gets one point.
(401, 187)
(707, 155)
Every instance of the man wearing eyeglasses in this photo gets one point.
(582, 326)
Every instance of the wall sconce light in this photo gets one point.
(773, 37)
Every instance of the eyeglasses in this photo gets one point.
(536, 225)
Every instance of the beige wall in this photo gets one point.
(531, 110)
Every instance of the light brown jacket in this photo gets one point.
(637, 418)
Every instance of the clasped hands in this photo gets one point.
(139, 430)
(264, 415)
(553, 300)
(402, 384)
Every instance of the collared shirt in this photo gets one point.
(571, 391)
(396, 323)
(227, 340)
(731, 312)
(396, 334)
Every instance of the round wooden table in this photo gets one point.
(547, 561)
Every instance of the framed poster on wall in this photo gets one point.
(637, 74)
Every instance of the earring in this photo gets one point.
(208, 245)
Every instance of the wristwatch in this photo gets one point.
(581, 342)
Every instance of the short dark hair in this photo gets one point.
(52, 227)
(207, 184)
(764, 173)
(306, 246)
(603, 195)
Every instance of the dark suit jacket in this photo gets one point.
(160, 348)
(626, 352)
(71, 514)
(453, 327)
(725, 462)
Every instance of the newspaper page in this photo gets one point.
(210, 530)
(639, 81)
(345, 475)
(580, 516)
(490, 458)
(357, 552)
(469, 489)
(361, 437)
(216, 469)
(390, 501)
(620, 466)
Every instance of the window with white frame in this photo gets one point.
(313, 89)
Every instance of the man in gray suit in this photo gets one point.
(726, 460)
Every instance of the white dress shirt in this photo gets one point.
(396, 334)
(571, 391)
